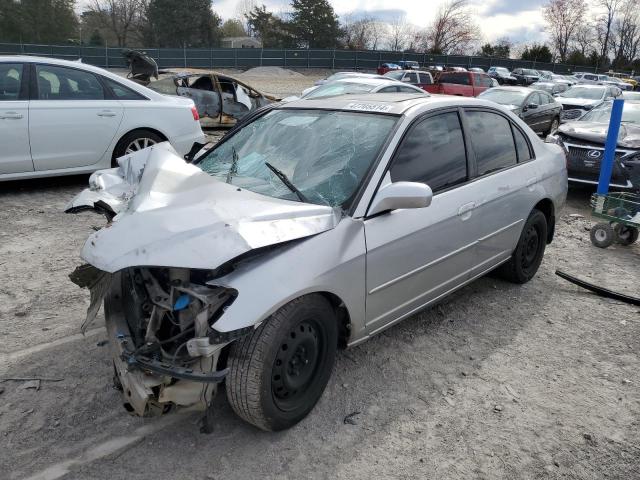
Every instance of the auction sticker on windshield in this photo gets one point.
(369, 107)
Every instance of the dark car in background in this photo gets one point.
(408, 65)
(502, 75)
(537, 108)
(582, 98)
(584, 141)
(413, 77)
(525, 76)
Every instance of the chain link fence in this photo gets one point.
(211, 58)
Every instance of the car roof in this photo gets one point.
(408, 71)
(389, 103)
(515, 89)
(588, 85)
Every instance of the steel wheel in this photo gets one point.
(531, 243)
(296, 364)
(139, 144)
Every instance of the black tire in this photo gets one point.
(602, 235)
(278, 373)
(527, 256)
(555, 123)
(132, 137)
(625, 235)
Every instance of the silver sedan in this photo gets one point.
(313, 226)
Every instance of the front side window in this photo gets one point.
(492, 141)
(433, 153)
(426, 79)
(61, 83)
(324, 154)
(10, 81)
(411, 77)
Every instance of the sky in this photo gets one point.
(520, 20)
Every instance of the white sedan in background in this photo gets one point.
(62, 118)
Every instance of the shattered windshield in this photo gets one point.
(602, 113)
(314, 156)
(340, 88)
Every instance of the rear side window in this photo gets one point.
(121, 92)
(10, 81)
(460, 78)
(425, 79)
(522, 146)
(388, 90)
(492, 141)
(433, 153)
(62, 83)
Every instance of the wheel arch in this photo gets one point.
(137, 129)
(547, 208)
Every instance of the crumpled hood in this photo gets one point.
(628, 137)
(172, 214)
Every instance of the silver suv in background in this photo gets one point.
(315, 225)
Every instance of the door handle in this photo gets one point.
(464, 212)
(531, 182)
(106, 113)
(11, 115)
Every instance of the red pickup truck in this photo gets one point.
(464, 84)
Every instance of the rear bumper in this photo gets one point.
(184, 143)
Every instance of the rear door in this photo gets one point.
(15, 154)
(414, 256)
(503, 188)
(72, 121)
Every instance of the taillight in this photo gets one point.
(194, 112)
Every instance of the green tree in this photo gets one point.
(233, 28)
(272, 30)
(314, 24)
(96, 39)
(192, 24)
(38, 21)
(537, 53)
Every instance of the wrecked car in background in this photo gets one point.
(312, 226)
(221, 100)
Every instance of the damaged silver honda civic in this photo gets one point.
(312, 226)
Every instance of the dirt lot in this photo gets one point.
(499, 381)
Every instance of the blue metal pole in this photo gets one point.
(606, 167)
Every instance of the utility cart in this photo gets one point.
(621, 212)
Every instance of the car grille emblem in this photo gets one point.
(594, 153)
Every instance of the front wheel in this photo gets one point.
(278, 373)
(527, 256)
(602, 235)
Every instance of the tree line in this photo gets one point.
(599, 33)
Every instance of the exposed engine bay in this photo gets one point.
(164, 350)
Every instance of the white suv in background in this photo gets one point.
(61, 118)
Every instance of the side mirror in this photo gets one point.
(532, 106)
(398, 195)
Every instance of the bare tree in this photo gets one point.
(584, 38)
(243, 8)
(563, 18)
(399, 34)
(453, 30)
(121, 16)
(625, 34)
(359, 32)
(604, 24)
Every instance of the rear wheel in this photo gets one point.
(602, 235)
(133, 142)
(625, 235)
(278, 373)
(527, 256)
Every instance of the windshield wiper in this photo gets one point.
(284, 179)
(233, 169)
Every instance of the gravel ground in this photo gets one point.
(498, 381)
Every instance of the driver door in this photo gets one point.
(415, 256)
